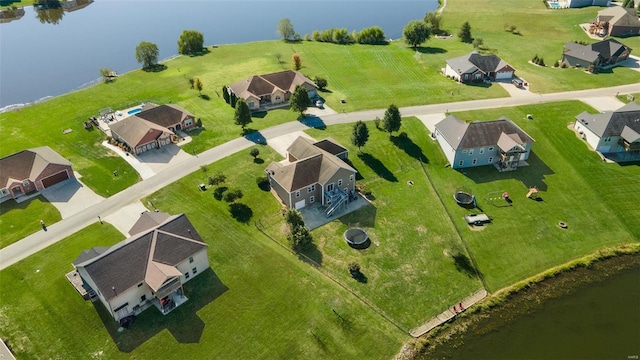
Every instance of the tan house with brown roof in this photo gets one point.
(619, 21)
(271, 90)
(147, 269)
(313, 172)
(32, 170)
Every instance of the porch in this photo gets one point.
(169, 302)
(623, 156)
(510, 165)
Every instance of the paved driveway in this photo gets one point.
(430, 120)
(604, 103)
(153, 161)
(281, 143)
(71, 197)
(513, 90)
(124, 218)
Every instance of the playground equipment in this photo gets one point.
(356, 236)
(498, 198)
(464, 198)
(533, 193)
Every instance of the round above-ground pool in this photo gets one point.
(356, 236)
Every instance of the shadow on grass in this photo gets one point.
(404, 143)
(430, 50)
(464, 265)
(255, 137)
(196, 131)
(377, 166)
(311, 252)
(259, 114)
(258, 160)
(183, 322)
(313, 121)
(241, 212)
(204, 51)
(155, 68)
(360, 277)
(365, 217)
(480, 84)
(204, 97)
(530, 176)
(358, 174)
(325, 90)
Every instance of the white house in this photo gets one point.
(497, 142)
(612, 131)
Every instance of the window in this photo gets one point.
(474, 161)
(330, 187)
(340, 182)
(4, 192)
(311, 188)
(298, 193)
(194, 271)
(461, 163)
(312, 199)
(143, 298)
(490, 148)
(186, 275)
(346, 191)
(277, 97)
(470, 152)
(250, 103)
(139, 285)
(25, 183)
(490, 159)
(464, 151)
(481, 150)
(350, 177)
(188, 122)
(190, 259)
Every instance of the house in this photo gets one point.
(612, 131)
(313, 171)
(583, 3)
(475, 67)
(619, 21)
(32, 170)
(498, 142)
(271, 90)
(600, 54)
(147, 269)
(170, 116)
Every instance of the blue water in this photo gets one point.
(134, 111)
(39, 60)
(554, 5)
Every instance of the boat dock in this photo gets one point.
(449, 314)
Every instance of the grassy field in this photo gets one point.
(17, 222)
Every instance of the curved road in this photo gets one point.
(58, 231)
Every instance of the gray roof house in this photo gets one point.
(313, 171)
(146, 269)
(32, 170)
(583, 3)
(271, 90)
(475, 67)
(619, 21)
(615, 134)
(500, 142)
(600, 54)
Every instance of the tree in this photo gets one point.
(217, 179)
(434, 21)
(465, 33)
(198, 85)
(147, 54)
(321, 83)
(233, 100)
(300, 238)
(190, 42)
(242, 115)
(293, 218)
(299, 100)
(49, 12)
(392, 120)
(107, 74)
(297, 62)
(254, 152)
(225, 94)
(232, 195)
(415, 33)
(628, 4)
(360, 134)
(199, 123)
(477, 42)
(354, 268)
(285, 29)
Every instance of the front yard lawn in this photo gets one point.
(18, 220)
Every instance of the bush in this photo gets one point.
(376, 122)
(354, 268)
(219, 192)
(254, 152)
(557, 63)
(263, 183)
(300, 238)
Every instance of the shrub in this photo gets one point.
(557, 63)
(219, 192)
(354, 268)
(263, 183)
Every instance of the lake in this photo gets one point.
(38, 60)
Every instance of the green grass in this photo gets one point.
(259, 300)
(18, 220)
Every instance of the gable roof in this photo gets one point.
(502, 133)
(474, 61)
(138, 131)
(28, 164)
(608, 48)
(620, 16)
(582, 52)
(313, 165)
(149, 255)
(604, 49)
(164, 115)
(261, 85)
(612, 123)
(148, 220)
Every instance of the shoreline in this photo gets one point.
(534, 291)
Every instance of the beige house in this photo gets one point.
(619, 21)
(32, 170)
(270, 90)
(313, 172)
(147, 269)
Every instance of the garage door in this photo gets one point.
(55, 178)
(300, 204)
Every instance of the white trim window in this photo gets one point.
(298, 194)
(312, 199)
(474, 161)
(490, 159)
(311, 188)
(461, 163)
(470, 152)
(4, 192)
(481, 151)
(339, 182)
(351, 177)
(25, 182)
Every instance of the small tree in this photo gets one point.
(465, 33)
(197, 83)
(300, 238)
(297, 62)
(477, 42)
(285, 29)
(354, 269)
(190, 42)
(217, 179)
(225, 94)
(415, 33)
(360, 134)
(147, 54)
(242, 115)
(293, 218)
(392, 120)
(254, 152)
(321, 83)
(299, 100)
(233, 100)
(279, 58)
(106, 74)
(434, 21)
(232, 195)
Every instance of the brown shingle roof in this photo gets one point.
(164, 115)
(28, 164)
(261, 85)
(148, 220)
(136, 131)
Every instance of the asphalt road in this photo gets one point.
(60, 230)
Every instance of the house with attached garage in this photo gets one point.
(313, 171)
(619, 21)
(32, 170)
(615, 134)
(500, 143)
(145, 270)
(474, 67)
(271, 90)
(600, 54)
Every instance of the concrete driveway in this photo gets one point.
(604, 103)
(633, 63)
(513, 90)
(430, 120)
(124, 218)
(281, 143)
(153, 161)
(71, 197)
(312, 110)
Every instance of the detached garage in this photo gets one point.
(32, 170)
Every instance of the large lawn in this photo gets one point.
(18, 220)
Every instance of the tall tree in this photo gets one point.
(242, 115)
(392, 120)
(299, 100)
(415, 33)
(434, 21)
(360, 134)
(147, 54)
(190, 42)
(285, 29)
(297, 61)
(465, 33)
(225, 94)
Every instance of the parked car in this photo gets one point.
(319, 104)
(517, 82)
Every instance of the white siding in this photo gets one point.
(448, 71)
(448, 151)
(588, 135)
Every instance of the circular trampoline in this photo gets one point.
(463, 197)
(356, 236)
